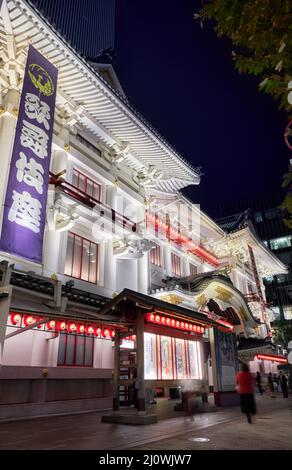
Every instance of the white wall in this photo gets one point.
(127, 274)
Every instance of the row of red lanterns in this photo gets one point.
(172, 323)
(62, 325)
(183, 239)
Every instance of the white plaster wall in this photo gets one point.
(103, 354)
(30, 348)
(18, 349)
(127, 274)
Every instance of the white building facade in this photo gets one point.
(115, 220)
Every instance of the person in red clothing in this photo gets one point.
(245, 383)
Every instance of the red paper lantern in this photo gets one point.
(80, 328)
(89, 330)
(51, 325)
(105, 333)
(157, 319)
(97, 331)
(71, 327)
(61, 325)
(29, 320)
(15, 318)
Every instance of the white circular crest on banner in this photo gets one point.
(290, 357)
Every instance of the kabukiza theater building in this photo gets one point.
(113, 286)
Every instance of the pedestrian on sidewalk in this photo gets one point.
(284, 384)
(245, 389)
(271, 385)
(259, 382)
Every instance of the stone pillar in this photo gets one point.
(8, 120)
(140, 384)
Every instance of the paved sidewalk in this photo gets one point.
(85, 431)
(271, 431)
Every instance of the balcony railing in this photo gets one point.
(89, 201)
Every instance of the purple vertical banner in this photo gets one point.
(26, 196)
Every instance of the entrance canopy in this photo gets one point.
(129, 303)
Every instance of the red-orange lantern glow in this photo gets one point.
(163, 320)
(157, 319)
(173, 322)
(152, 317)
(61, 325)
(105, 333)
(29, 320)
(51, 325)
(134, 337)
(177, 324)
(186, 326)
(89, 330)
(41, 325)
(182, 325)
(168, 321)
(71, 327)
(112, 333)
(80, 328)
(15, 318)
(97, 331)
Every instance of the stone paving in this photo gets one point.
(225, 428)
(272, 431)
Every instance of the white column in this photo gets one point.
(110, 268)
(143, 274)
(185, 265)
(51, 256)
(59, 161)
(7, 132)
(111, 196)
(167, 259)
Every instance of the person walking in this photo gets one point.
(244, 382)
(284, 384)
(259, 382)
(271, 385)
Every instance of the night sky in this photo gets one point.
(181, 78)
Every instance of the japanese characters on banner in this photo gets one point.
(26, 195)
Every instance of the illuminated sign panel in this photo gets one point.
(167, 358)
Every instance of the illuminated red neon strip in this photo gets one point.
(224, 323)
(268, 357)
(178, 238)
(163, 320)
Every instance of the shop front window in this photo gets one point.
(150, 348)
(167, 358)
